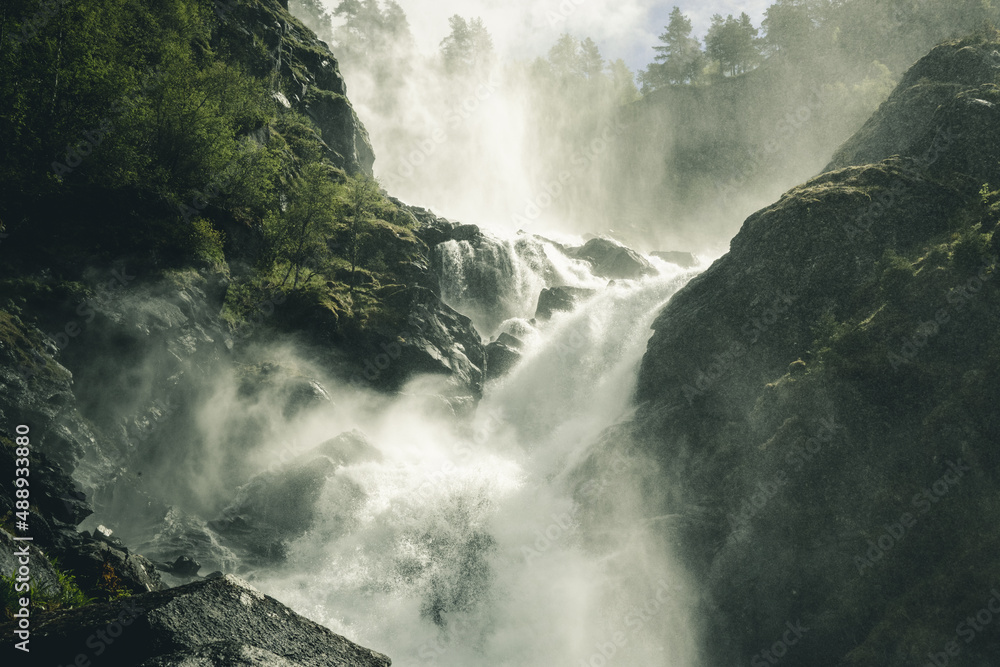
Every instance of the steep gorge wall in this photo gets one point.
(801, 395)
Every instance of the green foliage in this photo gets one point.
(733, 43)
(295, 235)
(971, 251)
(788, 26)
(206, 242)
(468, 48)
(679, 59)
(67, 595)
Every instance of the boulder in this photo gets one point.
(556, 299)
(279, 505)
(428, 338)
(612, 260)
(222, 621)
(502, 355)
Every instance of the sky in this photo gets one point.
(527, 28)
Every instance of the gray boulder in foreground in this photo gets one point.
(217, 622)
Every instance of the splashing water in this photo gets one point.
(499, 279)
(469, 544)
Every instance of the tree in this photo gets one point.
(358, 214)
(468, 48)
(590, 61)
(787, 26)
(623, 82)
(564, 56)
(733, 43)
(314, 15)
(680, 55)
(295, 234)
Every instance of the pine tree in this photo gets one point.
(680, 55)
(468, 48)
(591, 63)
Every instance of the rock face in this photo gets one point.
(315, 86)
(434, 339)
(942, 112)
(502, 355)
(559, 299)
(223, 621)
(799, 397)
(613, 260)
(280, 505)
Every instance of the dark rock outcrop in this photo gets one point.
(430, 339)
(223, 621)
(313, 84)
(800, 395)
(944, 111)
(559, 299)
(611, 259)
(502, 355)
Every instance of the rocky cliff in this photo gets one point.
(819, 402)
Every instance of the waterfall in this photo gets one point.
(469, 544)
(515, 536)
(493, 280)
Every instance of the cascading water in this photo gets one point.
(470, 546)
(489, 540)
(492, 280)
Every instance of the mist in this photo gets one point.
(521, 140)
(514, 533)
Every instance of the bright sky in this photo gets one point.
(527, 28)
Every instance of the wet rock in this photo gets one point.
(501, 356)
(279, 505)
(730, 389)
(432, 339)
(435, 231)
(44, 575)
(223, 621)
(185, 566)
(102, 569)
(559, 299)
(511, 341)
(613, 260)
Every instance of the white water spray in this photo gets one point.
(470, 545)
